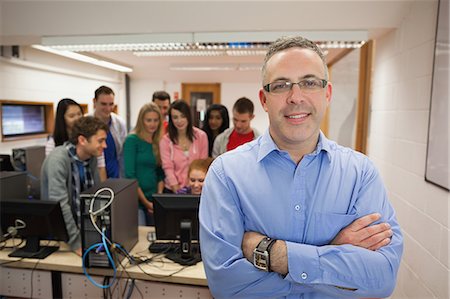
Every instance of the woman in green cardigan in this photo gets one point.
(142, 159)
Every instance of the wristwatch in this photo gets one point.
(261, 254)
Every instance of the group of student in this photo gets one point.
(164, 152)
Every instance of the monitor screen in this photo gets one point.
(33, 220)
(20, 119)
(170, 210)
(176, 218)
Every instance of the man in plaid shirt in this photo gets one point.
(72, 168)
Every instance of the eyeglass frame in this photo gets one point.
(267, 86)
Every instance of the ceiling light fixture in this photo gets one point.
(184, 48)
(215, 67)
(84, 58)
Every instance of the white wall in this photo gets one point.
(43, 77)
(397, 144)
(343, 106)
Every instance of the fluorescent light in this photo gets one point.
(182, 49)
(215, 67)
(179, 53)
(84, 58)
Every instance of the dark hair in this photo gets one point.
(183, 107)
(103, 90)
(60, 134)
(244, 105)
(287, 42)
(225, 123)
(87, 126)
(160, 95)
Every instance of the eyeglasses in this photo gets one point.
(309, 85)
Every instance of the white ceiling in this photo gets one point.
(78, 22)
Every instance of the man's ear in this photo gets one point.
(263, 99)
(82, 140)
(329, 92)
(94, 101)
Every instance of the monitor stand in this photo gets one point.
(33, 249)
(188, 254)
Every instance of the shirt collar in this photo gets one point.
(267, 145)
(324, 144)
(72, 150)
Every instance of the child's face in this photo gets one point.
(196, 179)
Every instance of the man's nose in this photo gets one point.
(296, 95)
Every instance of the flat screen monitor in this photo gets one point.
(20, 119)
(33, 220)
(176, 218)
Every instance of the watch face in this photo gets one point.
(260, 260)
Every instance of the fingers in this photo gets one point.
(380, 244)
(369, 231)
(378, 240)
(364, 221)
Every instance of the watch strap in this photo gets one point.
(264, 246)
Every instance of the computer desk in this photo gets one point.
(60, 275)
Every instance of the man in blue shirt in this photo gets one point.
(111, 162)
(292, 214)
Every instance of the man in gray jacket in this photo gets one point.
(241, 133)
(72, 168)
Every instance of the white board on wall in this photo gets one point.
(438, 150)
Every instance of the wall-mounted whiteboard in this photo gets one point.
(438, 150)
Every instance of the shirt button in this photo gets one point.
(297, 207)
(304, 276)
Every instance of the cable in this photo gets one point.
(93, 214)
(94, 246)
(31, 279)
(13, 230)
(130, 290)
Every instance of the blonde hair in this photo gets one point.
(139, 130)
(200, 164)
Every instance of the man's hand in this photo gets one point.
(360, 233)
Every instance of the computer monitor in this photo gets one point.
(176, 218)
(33, 220)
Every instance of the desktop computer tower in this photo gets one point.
(119, 220)
(30, 159)
(13, 185)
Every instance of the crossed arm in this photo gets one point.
(361, 261)
(359, 233)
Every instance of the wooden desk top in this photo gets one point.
(160, 269)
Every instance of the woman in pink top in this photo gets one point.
(180, 146)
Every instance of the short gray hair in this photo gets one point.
(287, 42)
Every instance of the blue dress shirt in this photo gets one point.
(111, 160)
(258, 187)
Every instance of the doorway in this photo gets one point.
(200, 96)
